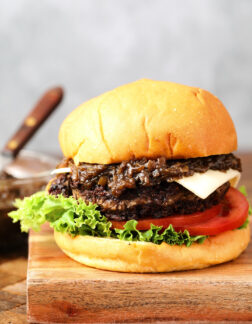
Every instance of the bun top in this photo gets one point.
(148, 119)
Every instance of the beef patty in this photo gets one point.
(150, 202)
(141, 188)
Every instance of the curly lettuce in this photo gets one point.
(75, 217)
(65, 215)
(155, 235)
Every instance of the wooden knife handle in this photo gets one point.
(43, 109)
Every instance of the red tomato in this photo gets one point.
(177, 220)
(228, 215)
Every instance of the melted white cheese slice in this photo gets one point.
(203, 184)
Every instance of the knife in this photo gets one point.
(37, 116)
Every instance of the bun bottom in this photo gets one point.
(116, 255)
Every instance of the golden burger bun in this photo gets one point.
(149, 119)
(116, 255)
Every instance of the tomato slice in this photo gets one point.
(178, 220)
(228, 215)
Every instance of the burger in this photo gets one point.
(147, 183)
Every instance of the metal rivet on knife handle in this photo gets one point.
(30, 121)
(12, 145)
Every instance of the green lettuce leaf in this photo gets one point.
(65, 215)
(155, 235)
(68, 215)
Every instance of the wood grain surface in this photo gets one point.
(13, 268)
(232, 282)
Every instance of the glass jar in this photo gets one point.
(35, 167)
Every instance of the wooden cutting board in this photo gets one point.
(63, 291)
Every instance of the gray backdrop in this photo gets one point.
(90, 46)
